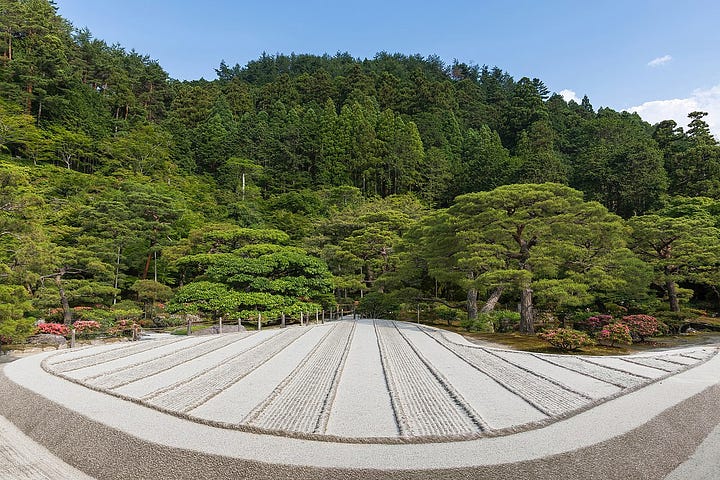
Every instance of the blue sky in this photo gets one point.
(656, 57)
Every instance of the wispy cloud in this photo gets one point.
(569, 95)
(705, 100)
(657, 62)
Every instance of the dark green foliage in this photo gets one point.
(246, 192)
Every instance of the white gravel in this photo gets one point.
(147, 386)
(366, 380)
(590, 428)
(362, 404)
(500, 407)
(589, 386)
(237, 401)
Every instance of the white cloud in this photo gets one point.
(707, 100)
(569, 95)
(657, 62)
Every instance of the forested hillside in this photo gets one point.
(298, 182)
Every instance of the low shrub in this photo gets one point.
(164, 321)
(497, 321)
(378, 305)
(614, 333)
(597, 322)
(504, 320)
(482, 323)
(641, 326)
(86, 328)
(447, 314)
(566, 339)
(124, 327)
(54, 329)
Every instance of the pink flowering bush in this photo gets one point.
(124, 326)
(615, 333)
(566, 339)
(641, 326)
(597, 322)
(86, 327)
(53, 329)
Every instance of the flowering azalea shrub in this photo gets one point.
(53, 329)
(566, 339)
(597, 322)
(641, 326)
(614, 333)
(86, 327)
(125, 327)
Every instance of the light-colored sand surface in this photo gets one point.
(23, 459)
(597, 412)
(362, 378)
(704, 464)
(291, 381)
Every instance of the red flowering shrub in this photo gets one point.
(615, 333)
(53, 329)
(641, 326)
(566, 338)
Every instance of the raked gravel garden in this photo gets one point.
(357, 398)
(361, 381)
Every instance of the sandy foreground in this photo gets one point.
(361, 399)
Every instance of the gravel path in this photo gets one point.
(117, 378)
(499, 406)
(68, 362)
(233, 404)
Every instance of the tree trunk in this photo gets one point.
(672, 296)
(117, 276)
(717, 296)
(67, 313)
(28, 107)
(472, 295)
(492, 300)
(369, 277)
(147, 266)
(472, 308)
(527, 314)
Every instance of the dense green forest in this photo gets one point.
(299, 182)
